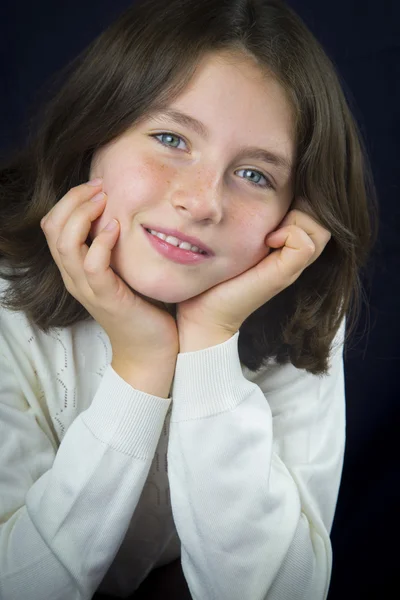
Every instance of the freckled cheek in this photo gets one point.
(249, 228)
(247, 248)
(128, 195)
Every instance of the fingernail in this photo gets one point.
(96, 181)
(111, 225)
(98, 197)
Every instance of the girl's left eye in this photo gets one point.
(267, 183)
(259, 175)
(167, 135)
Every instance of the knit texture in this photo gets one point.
(238, 473)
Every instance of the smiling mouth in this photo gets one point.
(173, 252)
(177, 243)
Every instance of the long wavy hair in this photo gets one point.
(143, 61)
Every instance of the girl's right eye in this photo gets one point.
(168, 135)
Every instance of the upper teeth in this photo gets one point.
(176, 242)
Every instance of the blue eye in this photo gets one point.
(259, 175)
(167, 135)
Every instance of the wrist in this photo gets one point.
(195, 337)
(153, 378)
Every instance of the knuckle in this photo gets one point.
(90, 267)
(310, 246)
(45, 223)
(309, 250)
(62, 248)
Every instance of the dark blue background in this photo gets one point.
(363, 40)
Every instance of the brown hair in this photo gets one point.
(142, 62)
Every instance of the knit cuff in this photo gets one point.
(129, 420)
(208, 381)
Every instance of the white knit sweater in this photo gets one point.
(100, 483)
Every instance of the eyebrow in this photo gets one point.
(198, 127)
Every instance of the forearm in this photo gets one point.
(72, 504)
(231, 490)
(237, 511)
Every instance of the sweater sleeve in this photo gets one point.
(64, 513)
(254, 470)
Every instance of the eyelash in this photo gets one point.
(267, 186)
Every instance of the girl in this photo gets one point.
(171, 348)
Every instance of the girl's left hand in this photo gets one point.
(222, 309)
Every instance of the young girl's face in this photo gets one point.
(203, 182)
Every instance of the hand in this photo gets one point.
(217, 314)
(139, 332)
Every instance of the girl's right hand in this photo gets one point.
(140, 333)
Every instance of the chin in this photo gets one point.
(167, 296)
(155, 288)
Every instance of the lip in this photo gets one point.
(184, 238)
(183, 257)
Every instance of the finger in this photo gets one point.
(99, 274)
(296, 250)
(60, 212)
(280, 268)
(318, 234)
(70, 249)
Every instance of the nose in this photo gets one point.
(199, 201)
